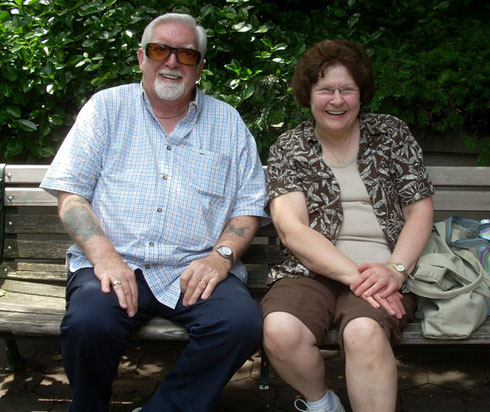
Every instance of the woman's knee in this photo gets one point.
(284, 333)
(364, 335)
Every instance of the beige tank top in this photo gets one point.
(361, 238)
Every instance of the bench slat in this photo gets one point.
(26, 224)
(19, 174)
(13, 288)
(35, 249)
(440, 175)
(39, 272)
(444, 199)
(44, 313)
(56, 274)
(470, 200)
(28, 196)
(56, 249)
(459, 176)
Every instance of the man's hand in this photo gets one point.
(201, 277)
(377, 277)
(114, 273)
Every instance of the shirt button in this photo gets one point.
(147, 266)
(159, 210)
(165, 177)
(152, 244)
(169, 147)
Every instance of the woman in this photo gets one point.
(351, 202)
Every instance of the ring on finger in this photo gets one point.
(203, 283)
(116, 282)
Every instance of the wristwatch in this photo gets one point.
(400, 268)
(226, 252)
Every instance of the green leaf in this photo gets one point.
(56, 119)
(27, 125)
(10, 73)
(14, 147)
(13, 110)
(242, 27)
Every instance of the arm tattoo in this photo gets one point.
(80, 223)
(239, 231)
(74, 201)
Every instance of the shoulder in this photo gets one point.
(214, 105)
(114, 102)
(378, 123)
(385, 128)
(118, 93)
(296, 139)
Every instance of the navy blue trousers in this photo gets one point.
(224, 330)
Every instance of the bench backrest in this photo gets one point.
(34, 241)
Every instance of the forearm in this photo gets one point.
(414, 235)
(238, 234)
(317, 253)
(84, 228)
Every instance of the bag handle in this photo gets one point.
(433, 293)
(473, 226)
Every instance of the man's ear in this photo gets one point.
(141, 57)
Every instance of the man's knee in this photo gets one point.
(93, 316)
(244, 321)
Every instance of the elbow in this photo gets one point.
(285, 236)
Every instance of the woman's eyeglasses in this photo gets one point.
(160, 52)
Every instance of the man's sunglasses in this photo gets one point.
(160, 52)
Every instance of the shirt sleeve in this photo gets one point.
(78, 163)
(252, 190)
(410, 175)
(282, 177)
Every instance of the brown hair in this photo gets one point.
(328, 53)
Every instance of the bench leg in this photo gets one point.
(14, 359)
(264, 370)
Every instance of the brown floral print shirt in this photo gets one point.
(390, 165)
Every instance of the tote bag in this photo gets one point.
(452, 287)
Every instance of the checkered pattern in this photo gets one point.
(162, 200)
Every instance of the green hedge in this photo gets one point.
(430, 57)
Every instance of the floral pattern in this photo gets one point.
(390, 165)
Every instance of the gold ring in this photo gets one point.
(203, 281)
(116, 282)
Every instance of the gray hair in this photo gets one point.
(181, 18)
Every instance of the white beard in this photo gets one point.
(169, 91)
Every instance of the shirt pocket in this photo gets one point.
(207, 172)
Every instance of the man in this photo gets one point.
(162, 190)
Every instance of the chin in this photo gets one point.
(169, 92)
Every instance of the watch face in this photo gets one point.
(226, 250)
(400, 267)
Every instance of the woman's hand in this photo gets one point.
(392, 303)
(376, 277)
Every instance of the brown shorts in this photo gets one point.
(322, 304)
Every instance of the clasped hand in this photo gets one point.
(379, 284)
(200, 278)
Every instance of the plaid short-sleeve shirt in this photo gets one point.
(390, 165)
(163, 200)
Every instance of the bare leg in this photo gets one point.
(293, 352)
(370, 367)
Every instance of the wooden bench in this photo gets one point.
(32, 271)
